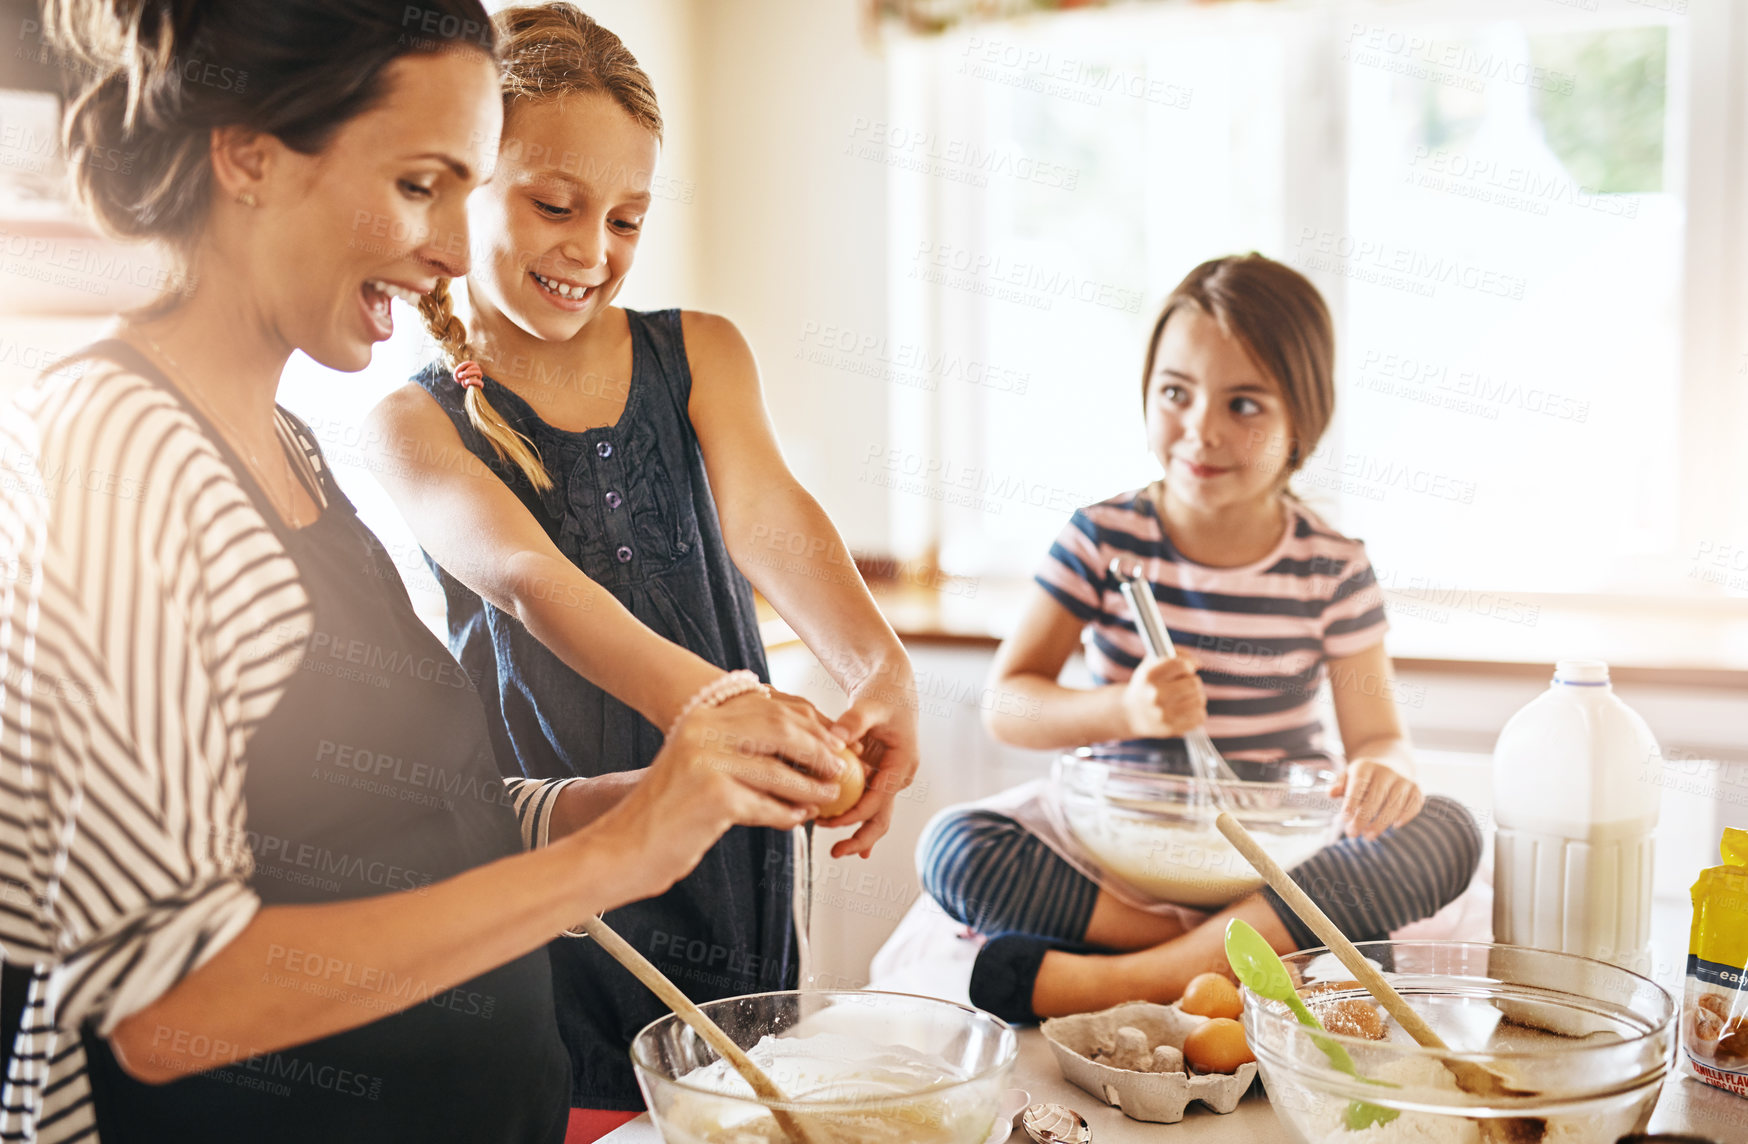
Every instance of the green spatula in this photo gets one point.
(1261, 971)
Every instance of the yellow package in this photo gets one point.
(1714, 1010)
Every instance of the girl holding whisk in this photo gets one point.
(1265, 602)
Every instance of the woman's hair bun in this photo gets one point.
(108, 31)
(132, 180)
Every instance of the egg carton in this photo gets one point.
(1160, 1098)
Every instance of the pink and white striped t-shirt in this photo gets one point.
(1263, 633)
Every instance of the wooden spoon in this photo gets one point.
(687, 1011)
(1471, 1076)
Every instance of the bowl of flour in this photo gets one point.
(1585, 1045)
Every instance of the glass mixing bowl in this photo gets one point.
(861, 1067)
(1155, 828)
(1589, 1040)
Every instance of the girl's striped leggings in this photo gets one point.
(992, 874)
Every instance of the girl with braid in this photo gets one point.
(589, 484)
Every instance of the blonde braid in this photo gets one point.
(438, 310)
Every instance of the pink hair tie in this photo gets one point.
(468, 375)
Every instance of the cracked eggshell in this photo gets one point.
(1157, 1097)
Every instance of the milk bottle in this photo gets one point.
(1576, 791)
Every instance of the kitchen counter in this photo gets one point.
(1036, 1072)
(1686, 1106)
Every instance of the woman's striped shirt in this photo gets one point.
(1263, 633)
(149, 621)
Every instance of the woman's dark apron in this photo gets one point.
(373, 775)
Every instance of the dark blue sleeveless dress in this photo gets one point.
(631, 507)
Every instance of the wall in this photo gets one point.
(792, 231)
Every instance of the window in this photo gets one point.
(1501, 204)
(1512, 258)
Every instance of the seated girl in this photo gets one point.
(1267, 602)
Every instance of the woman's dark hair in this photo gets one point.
(165, 73)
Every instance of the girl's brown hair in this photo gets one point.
(1282, 322)
(549, 51)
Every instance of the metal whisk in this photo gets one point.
(1206, 761)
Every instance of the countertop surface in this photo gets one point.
(1686, 1107)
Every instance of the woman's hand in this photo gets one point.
(1164, 699)
(747, 762)
(881, 723)
(583, 801)
(1375, 796)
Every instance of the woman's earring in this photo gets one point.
(247, 198)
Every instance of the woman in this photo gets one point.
(254, 843)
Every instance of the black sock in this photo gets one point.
(1006, 970)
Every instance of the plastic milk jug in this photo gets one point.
(1577, 784)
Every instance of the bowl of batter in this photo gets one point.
(1144, 818)
(856, 1067)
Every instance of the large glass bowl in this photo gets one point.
(1155, 828)
(1589, 1040)
(863, 1067)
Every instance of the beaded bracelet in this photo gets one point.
(718, 691)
